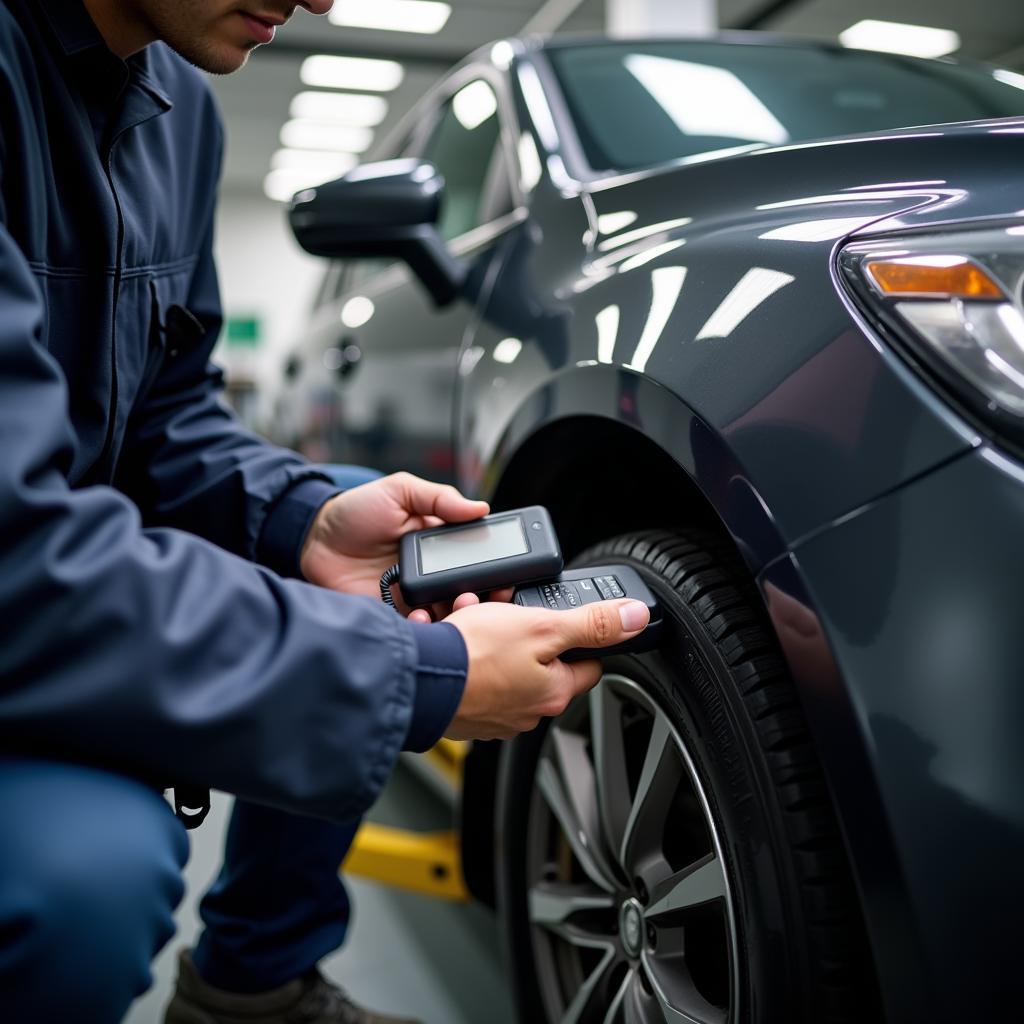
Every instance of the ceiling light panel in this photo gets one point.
(363, 73)
(359, 110)
(474, 104)
(333, 165)
(325, 135)
(283, 182)
(895, 37)
(423, 16)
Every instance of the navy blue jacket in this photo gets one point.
(135, 629)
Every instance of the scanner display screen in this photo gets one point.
(485, 543)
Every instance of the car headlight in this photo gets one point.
(954, 300)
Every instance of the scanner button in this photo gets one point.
(601, 582)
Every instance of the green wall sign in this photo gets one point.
(243, 331)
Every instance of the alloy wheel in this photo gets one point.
(629, 902)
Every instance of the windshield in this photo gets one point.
(640, 104)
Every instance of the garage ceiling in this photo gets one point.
(255, 102)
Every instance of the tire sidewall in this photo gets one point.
(689, 679)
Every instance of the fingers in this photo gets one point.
(424, 498)
(578, 676)
(420, 615)
(597, 625)
(503, 596)
(464, 601)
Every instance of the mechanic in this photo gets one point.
(169, 583)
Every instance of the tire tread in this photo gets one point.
(706, 572)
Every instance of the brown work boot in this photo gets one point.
(311, 999)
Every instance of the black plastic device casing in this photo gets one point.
(543, 561)
(631, 584)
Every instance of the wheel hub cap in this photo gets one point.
(631, 927)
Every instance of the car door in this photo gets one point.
(391, 351)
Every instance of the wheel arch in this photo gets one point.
(562, 451)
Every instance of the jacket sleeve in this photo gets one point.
(157, 653)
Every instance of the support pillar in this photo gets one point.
(661, 17)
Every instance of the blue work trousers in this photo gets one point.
(278, 905)
(90, 875)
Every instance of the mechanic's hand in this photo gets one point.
(515, 676)
(354, 538)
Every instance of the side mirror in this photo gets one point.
(382, 209)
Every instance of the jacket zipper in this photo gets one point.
(108, 441)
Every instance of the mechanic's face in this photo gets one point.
(219, 35)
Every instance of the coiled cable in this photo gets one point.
(390, 577)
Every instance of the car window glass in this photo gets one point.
(462, 148)
(362, 270)
(640, 104)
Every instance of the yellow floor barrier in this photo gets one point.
(425, 862)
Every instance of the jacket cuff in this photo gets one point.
(441, 666)
(285, 528)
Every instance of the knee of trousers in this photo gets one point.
(90, 874)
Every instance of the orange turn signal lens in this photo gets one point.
(933, 277)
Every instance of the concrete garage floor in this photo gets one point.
(405, 954)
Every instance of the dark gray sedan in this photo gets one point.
(749, 319)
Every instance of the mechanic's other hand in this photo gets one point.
(515, 676)
(354, 538)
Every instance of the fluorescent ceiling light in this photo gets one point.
(607, 332)
(474, 104)
(364, 73)
(757, 285)
(610, 223)
(530, 170)
(666, 284)
(507, 350)
(320, 161)
(640, 233)
(425, 16)
(1009, 78)
(325, 135)
(502, 54)
(641, 259)
(357, 311)
(283, 182)
(344, 107)
(894, 37)
(682, 89)
(824, 230)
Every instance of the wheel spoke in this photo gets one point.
(683, 1004)
(659, 779)
(613, 1015)
(636, 1002)
(609, 763)
(578, 1007)
(695, 884)
(568, 788)
(553, 904)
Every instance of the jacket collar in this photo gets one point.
(76, 33)
(75, 30)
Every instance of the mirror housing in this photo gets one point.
(382, 209)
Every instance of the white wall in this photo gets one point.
(263, 273)
(661, 17)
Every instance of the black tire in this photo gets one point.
(790, 938)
